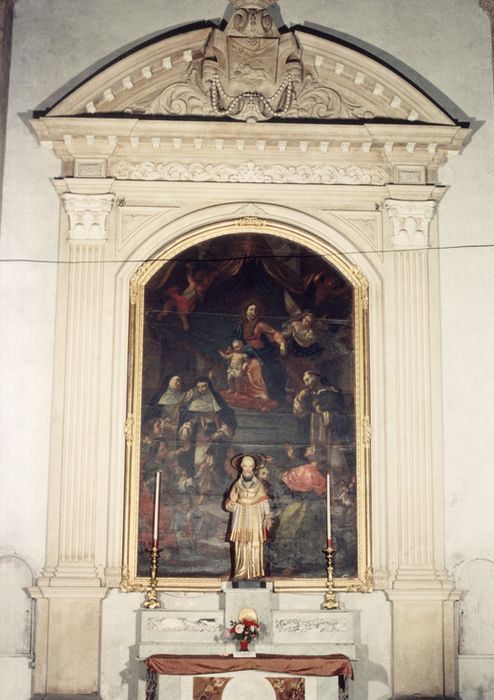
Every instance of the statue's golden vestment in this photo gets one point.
(248, 530)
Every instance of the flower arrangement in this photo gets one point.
(243, 630)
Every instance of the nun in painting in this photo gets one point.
(170, 404)
(206, 428)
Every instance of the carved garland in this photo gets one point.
(251, 172)
(307, 99)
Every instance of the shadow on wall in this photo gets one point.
(371, 679)
(475, 581)
(132, 673)
(16, 616)
(412, 76)
(15, 606)
(116, 55)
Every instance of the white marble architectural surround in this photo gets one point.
(131, 187)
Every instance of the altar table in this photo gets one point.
(175, 665)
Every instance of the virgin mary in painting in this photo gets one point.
(265, 376)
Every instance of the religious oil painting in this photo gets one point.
(248, 342)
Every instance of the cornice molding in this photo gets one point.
(234, 151)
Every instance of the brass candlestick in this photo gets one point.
(152, 602)
(330, 602)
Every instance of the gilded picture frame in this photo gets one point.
(183, 302)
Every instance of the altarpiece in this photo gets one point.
(216, 169)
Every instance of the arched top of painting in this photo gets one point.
(224, 273)
(228, 247)
(248, 70)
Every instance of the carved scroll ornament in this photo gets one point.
(251, 72)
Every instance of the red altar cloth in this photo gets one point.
(327, 665)
(174, 665)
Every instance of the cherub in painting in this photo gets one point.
(199, 279)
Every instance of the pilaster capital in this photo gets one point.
(411, 220)
(87, 215)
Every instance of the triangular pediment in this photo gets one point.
(250, 71)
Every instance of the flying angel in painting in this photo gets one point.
(199, 279)
(302, 331)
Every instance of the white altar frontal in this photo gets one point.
(291, 625)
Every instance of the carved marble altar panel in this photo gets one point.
(333, 630)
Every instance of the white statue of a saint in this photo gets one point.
(248, 502)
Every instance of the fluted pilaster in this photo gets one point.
(414, 420)
(422, 595)
(81, 419)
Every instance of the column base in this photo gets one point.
(423, 644)
(68, 621)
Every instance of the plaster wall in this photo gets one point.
(445, 47)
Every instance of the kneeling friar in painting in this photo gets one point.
(251, 518)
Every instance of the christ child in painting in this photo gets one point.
(237, 368)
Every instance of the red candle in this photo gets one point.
(156, 514)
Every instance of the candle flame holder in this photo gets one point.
(330, 602)
(152, 601)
